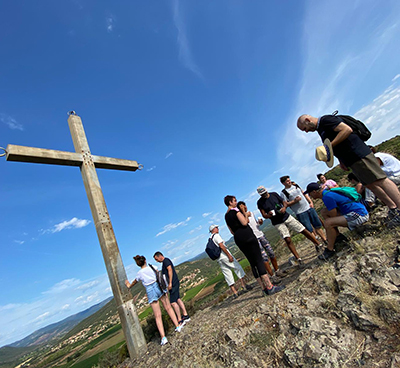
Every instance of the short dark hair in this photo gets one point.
(140, 260)
(284, 178)
(351, 177)
(319, 176)
(228, 199)
(240, 203)
(158, 253)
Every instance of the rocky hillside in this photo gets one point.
(342, 313)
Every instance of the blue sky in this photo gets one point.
(204, 94)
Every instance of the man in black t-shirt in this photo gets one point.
(273, 207)
(168, 270)
(353, 153)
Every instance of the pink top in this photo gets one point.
(329, 184)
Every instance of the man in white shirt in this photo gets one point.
(390, 165)
(228, 263)
(303, 207)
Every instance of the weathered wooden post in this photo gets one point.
(88, 163)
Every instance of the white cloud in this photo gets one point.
(168, 155)
(169, 244)
(198, 228)
(396, 77)
(10, 122)
(185, 54)
(61, 286)
(74, 223)
(20, 242)
(110, 23)
(170, 227)
(151, 168)
(88, 285)
(206, 214)
(42, 317)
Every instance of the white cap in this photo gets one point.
(212, 227)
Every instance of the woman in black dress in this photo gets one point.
(247, 242)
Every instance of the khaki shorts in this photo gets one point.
(290, 224)
(368, 170)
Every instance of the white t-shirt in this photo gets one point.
(298, 207)
(146, 275)
(254, 226)
(217, 241)
(391, 165)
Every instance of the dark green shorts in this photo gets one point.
(368, 170)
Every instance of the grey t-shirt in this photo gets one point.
(298, 207)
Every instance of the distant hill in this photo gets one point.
(58, 329)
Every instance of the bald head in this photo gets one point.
(307, 123)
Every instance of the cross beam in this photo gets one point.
(88, 163)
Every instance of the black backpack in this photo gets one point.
(159, 278)
(212, 250)
(358, 126)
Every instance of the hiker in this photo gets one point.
(390, 166)
(341, 210)
(238, 224)
(265, 247)
(367, 197)
(147, 275)
(303, 207)
(326, 184)
(168, 270)
(273, 207)
(228, 262)
(340, 140)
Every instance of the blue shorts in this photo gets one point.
(309, 219)
(153, 292)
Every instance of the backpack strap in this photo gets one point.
(286, 193)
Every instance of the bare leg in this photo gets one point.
(291, 247)
(260, 283)
(170, 311)
(242, 282)
(157, 315)
(177, 310)
(321, 233)
(331, 229)
(233, 289)
(274, 263)
(182, 306)
(386, 191)
(266, 281)
(268, 268)
(310, 236)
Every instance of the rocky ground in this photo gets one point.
(342, 313)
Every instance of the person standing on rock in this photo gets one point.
(168, 270)
(341, 141)
(266, 250)
(238, 224)
(148, 278)
(303, 207)
(340, 211)
(228, 262)
(273, 207)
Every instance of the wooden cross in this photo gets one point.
(88, 163)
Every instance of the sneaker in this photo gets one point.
(186, 318)
(279, 273)
(164, 341)
(326, 255)
(248, 287)
(235, 296)
(341, 238)
(275, 289)
(319, 248)
(301, 263)
(179, 328)
(182, 322)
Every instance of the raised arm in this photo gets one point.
(130, 284)
(243, 218)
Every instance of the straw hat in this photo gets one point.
(325, 153)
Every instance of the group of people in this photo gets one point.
(373, 174)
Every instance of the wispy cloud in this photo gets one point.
(185, 54)
(10, 122)
(206, 214)
(396, 77)
(74, 223)
(168, 155)
(19, 242)
(198, 228)
(169, 244)
(170, 227)
(110, 23)
(151, 168)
